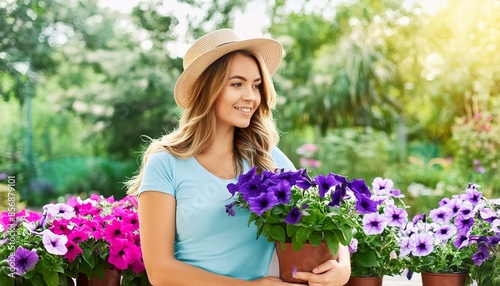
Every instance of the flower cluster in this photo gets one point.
(375, 246)
(73, 238)
(31, 251)
(451, 238)
(293, 207)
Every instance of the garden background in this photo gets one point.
(406, 90)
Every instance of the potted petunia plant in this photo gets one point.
(30, 253)
(445, 240)
(485, 232)
(375, 246)
(291, 208)
(82, 240)
(103, 239)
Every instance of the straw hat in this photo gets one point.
(214, 45)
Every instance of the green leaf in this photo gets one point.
(277, 233)
(88, 256)
(343, 235)
(51, 277)
(6, 280)
(366, 259)
(252, 217)
(302, 234)
(332, 242)
(291, 229)
(315, 238)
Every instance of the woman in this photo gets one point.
(226, 127)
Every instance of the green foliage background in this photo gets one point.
(383, 88)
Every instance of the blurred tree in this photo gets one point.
(25, 45)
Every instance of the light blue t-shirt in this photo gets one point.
(206, 236)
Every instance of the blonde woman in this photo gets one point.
(226, 128)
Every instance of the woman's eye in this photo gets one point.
(256, 86)
(236, 84)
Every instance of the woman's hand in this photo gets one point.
(331, 273)
(273, 281)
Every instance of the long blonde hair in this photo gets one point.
(196, 129)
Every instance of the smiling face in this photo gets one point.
(241, 96)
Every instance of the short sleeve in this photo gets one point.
(158, 174)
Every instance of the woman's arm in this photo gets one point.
(332, 272)
(157, 231)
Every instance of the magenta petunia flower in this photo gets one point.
(73, 251)
(116, 229)
(24, 260)
(54, 243)
(122, 252)
(60, 226)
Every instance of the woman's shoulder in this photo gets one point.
(163, 158)
(281, 160)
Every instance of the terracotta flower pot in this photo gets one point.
(306, 259)
(364, 281)
(444, 279)
(111, 278)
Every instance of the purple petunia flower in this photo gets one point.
(353, 246)
(24, 260)
(293, 216)
(229, 209)
(445, 232)
(488, 214)
(482, 254)
(251, 189)
(262, 203)
(417, 218)
(441, 215)
(495, 226)
(423, 244)
(374, 223)
(54, 243)
(358, 186)
(382, 186)
(444, 201)
(365, 205)
(395, 216)
(464, 224)
(282, 191)
(406, 245)
(473, 195)
(454, 205)
(60, 210)
(462, 240)
(325, 183)
(466, 210)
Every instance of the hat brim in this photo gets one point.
(269, 51)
